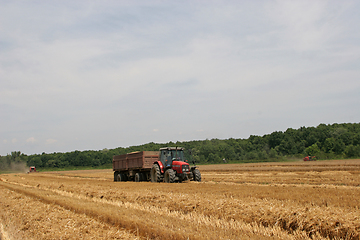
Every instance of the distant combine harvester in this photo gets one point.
(309, 158)
(32, 169)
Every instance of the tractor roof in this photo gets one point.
(172, 148)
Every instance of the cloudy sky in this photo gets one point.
(88, 75)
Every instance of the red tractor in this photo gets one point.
(171, 166)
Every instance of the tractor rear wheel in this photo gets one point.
(169, 176)
(197, 175)
(115, 176)
(155, 173)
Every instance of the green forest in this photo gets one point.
(335, 141)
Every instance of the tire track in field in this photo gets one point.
(3, 234)
(212, 225)
(303, 185)
(25, 217)
(297, 220)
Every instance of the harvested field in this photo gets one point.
(301, 200)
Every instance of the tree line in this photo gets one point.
(324, 141)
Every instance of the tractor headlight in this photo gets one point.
(185, 168)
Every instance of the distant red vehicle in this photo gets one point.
(309, 158)
(32, 169)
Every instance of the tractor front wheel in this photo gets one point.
(169, 176)
(197, 175)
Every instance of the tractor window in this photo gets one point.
(167, 156)
(177, 155)
(163, 156)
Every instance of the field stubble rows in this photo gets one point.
(254, 201)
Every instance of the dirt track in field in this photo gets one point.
(318, 200)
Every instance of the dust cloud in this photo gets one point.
(19, 167)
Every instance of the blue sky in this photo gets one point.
(88, 75)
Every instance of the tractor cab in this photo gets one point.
(173, 166)
(170, 154)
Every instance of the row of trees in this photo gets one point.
(323, 141)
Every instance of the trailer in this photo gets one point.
(166, 165)
(134, 166)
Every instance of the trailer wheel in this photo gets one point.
(146, 176)
(155, 173)
(197, 175)
(138, 177)
(121, 177)
(115, 176)
(169, 176)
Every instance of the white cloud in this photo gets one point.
(31, 140)
(51, 141)
(308, 25)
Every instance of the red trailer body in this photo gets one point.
(128, 166)
(135, 160)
